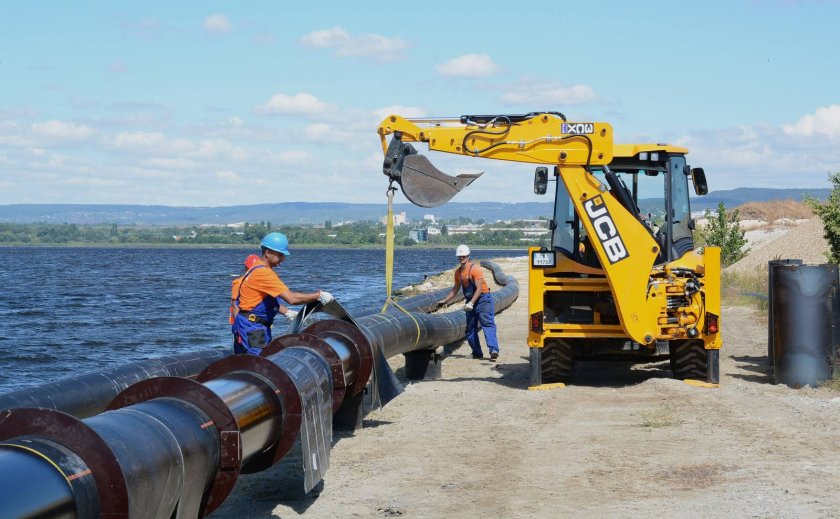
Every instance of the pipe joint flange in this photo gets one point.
(287, 394)
(351, 335)
(307, 340)
(80, 439)
(220, 415)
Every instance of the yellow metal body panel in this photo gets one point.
(631, 150)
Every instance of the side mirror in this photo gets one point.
(541, 180)
(698, 177)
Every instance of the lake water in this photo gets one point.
(69, 311)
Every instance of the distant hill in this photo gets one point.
(318, 212)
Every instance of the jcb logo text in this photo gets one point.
(605, 229)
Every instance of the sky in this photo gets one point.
(216, 103)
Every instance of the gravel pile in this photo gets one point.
(804, 241)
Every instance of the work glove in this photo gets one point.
(468, 307)
(290, 314)
(325, 297)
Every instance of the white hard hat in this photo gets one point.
(462, 250)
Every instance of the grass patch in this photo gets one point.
(745, 288)
(663, 416)
(833, 383)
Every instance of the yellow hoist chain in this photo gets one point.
(389, 261)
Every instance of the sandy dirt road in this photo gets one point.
(623, 441)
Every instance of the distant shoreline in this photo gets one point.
(235, 246)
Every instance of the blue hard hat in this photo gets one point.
(277, 242)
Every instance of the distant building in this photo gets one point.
(433, 231)
(398, 219)
(418, 235)
(469, 228)
(429, 218)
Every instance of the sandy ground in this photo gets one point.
(623, 441)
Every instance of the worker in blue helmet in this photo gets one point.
(259, 297)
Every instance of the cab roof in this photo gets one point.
(631, 150)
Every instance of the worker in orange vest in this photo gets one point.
(259, 295)
(250, 262)
(479, 304)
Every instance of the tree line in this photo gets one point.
(348, 234)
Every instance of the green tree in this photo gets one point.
(724, 231)
(829, 213)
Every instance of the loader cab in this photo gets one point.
(651, 182)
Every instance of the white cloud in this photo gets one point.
(346, 45)
(825, 121)
(216, 24)
(325, 132)
(64, 131)
(230, 176)
(301, 103)
(292, 157)
(172, 163)
(760, 156)
(468, 65)
(548, 93)
(139, 140)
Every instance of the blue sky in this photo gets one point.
(212, 103)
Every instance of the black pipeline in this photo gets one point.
(174, 447)
(87, 395)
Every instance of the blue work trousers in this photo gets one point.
(483, 313)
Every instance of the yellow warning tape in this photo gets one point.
(389, 263)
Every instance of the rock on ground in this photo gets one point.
(622, 441)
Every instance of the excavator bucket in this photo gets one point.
(421, 182)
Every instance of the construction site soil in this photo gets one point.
(624, 440)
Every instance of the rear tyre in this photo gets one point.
(690, 359)
(557, 361)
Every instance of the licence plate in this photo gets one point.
(543, 259)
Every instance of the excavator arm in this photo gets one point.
(539, 138)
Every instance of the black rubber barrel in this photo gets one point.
(770, 265)
(803, 319)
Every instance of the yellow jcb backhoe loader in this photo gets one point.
(621, 277)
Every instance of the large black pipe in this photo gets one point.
(805, 306)
(87, 395)
(168, 445)
(173, 447)
(396, 332)
(770, 340)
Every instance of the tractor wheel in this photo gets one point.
(689, 359)
(557, 361)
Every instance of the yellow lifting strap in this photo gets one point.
(389, 262)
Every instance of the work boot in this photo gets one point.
(480, 356)
(494, 355)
